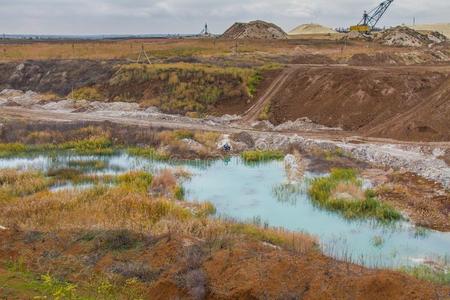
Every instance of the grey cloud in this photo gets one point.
(188, 16)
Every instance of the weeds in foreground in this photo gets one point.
(58, 289)
(428, 273)
(347, 202)
(24, 284)
(261, 155)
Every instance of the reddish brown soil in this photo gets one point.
(240, 270)
(238, 105)
(410, 103)
(425, 202)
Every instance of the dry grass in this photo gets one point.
(208, 139)
(101, 207)
(87, 93)
(15, 183)
(127, 206)
(131, 49)
(351, 189)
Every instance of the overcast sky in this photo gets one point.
(188, 16)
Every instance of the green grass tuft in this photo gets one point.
(137, 181)
(321, 192)
(147, 152)
(261, 155)
(424, 272)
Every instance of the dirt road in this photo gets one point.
(27, 114)
(253, 112)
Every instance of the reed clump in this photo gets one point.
(15, 183)
(342, 192)
(261, 155)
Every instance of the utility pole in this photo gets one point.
(143, 54)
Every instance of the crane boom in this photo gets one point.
(370, 19)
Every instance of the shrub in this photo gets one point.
(261, 155)
(252, 83)
(265, 113)
(87, 93)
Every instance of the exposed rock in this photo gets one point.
(193, 145)
(302, 124)
(294, 167)
(113, 106)
(391, 156)
(262, 125)
(244, 137)
(19, 98)
(254, 30)
(63, 105)
(407, 37)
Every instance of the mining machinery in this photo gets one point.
(371, 18)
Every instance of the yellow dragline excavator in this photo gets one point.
(371, 18)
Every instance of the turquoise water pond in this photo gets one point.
(254, 192)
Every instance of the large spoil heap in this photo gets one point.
(259, 30)
(404, 36)
(311, 29)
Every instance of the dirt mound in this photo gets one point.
(172, 267)
(404, 103)
(443, 28)
(311, 29)
(57, 76)
(382, 58)
(407, 37)
(258, 30)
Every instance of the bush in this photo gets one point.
(265, 113)
(261, 155)
(87, 93)
(252, 83)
